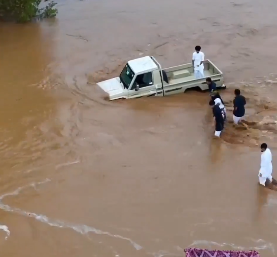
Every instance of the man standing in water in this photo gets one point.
(197, 63)
(218, 102)
(218, 118)
(239, 103)
(265, 173)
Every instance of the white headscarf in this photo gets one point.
(217, 101)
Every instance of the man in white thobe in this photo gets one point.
(197, 63)
(265, 173)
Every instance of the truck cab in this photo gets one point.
(140, 77)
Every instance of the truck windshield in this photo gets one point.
(126, 76)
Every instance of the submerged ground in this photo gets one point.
(81, 176)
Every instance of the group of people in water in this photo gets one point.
(220, 117)
(219, 113)
(219, 110)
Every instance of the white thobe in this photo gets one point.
(266, 167)
(198, 69)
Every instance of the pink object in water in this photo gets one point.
(194, 252)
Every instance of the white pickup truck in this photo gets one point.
(145, 77)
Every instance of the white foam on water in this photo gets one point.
(19, 189)
(67, 164)
(6, 230)
(45, 166)
(79, 228)
(262, 245)
(40, 183)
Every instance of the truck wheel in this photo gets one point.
(198, 89)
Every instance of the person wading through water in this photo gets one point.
(265, 173)
(218, 102)
(239, 103)
(218, 118)
(213, 96)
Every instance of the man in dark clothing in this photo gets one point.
(219, 120)
(211, 85)
(239, 103)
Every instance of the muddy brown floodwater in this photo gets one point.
(82, 176)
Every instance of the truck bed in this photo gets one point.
(184, 73)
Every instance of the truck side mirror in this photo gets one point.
(137, 87)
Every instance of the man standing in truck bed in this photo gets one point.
(197, 63)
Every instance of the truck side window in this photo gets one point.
(144, 80)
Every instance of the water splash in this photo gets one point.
(79, 228)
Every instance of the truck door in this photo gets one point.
(142, 86)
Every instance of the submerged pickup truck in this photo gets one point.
(145, 77)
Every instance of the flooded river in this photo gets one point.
(82, 176)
